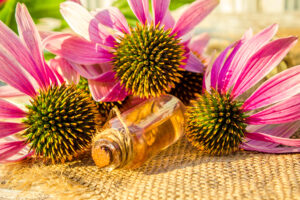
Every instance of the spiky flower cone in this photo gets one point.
(104, 108)
(215, 123)
(189, 86)
(147, 61)
(61, 122)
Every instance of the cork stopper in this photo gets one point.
(102, 156)
(106, 153)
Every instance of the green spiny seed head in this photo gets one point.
(189, 86)
(104, 108)
(215, 123)
(61, 122)
(147, 61)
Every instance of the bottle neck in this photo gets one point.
(112, 148)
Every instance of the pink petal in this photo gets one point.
(262, 63)
(283, 112)
(55, 77)
(45, 34)
(168, 21)
(113, 18)
(106, 77)
(269, 138)
(225, 67)
(18, 158)
(76, 49)
(9, 110)
(9, 128)
(10, 149)
(10, 42)
(7, 91)
(279, 130)
(199, 43)
(84, 24)
(280, 87)
(107, 91)
(244, 52)
(93, 71)
(12, 74)
(194, 64)
(66, 69)
(159, 8)
(140, 9)
(249, 147)
(217, 66)
(31, 38)
(193, 16)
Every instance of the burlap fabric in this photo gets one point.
(179, 172)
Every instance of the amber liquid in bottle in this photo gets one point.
(140, 133)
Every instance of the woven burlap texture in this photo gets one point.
(179, 172)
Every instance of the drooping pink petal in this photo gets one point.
(193, 16)
(9, 110)
(7, 91)
(283, 112)
(55, 77)
(106, 77)
(217, 66)
(10, 42)
(140, 9)
(83, 23)
(270, 138)
(18, 157)
(67, 71)
(106, 91)
(9, 149)
(194, 64)
(113, 18)
(249, 147)
(11, 73)
(9, 128)
(159, 8)
(199, 43)
(231, 72)
(285, 130)
(278, 88)
(31, 38)
(94, 71)
(262, 63)
(118, 93)
(222, 71)
(168, 21)
(76, 49)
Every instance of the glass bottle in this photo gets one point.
(138, 134)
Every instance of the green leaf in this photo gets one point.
(37, 9)
(7, 12)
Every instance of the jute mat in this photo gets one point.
(179, 172)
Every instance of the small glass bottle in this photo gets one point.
(136, 135)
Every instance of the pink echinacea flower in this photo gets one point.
(220, 122)
(58, 121)
(118, 60)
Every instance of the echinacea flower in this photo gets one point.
(220, 122)
(145, 61)
(59, 120)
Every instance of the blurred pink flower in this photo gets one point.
(92, 54)
(264, 120)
